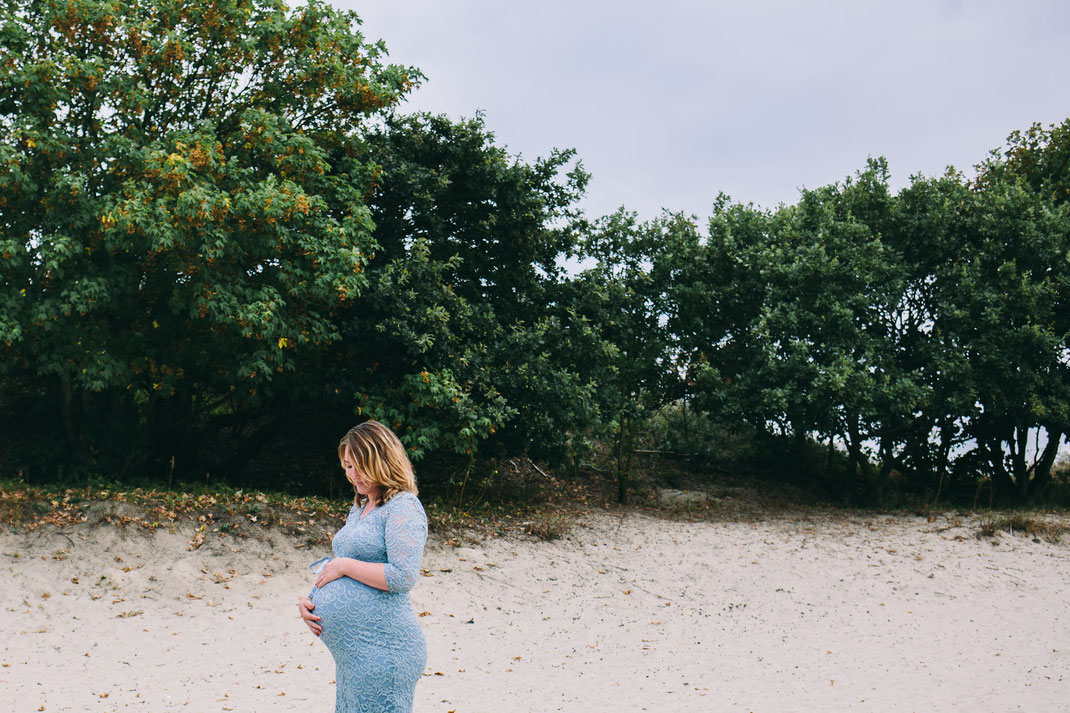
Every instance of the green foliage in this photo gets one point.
(1040, 156)
(462, 340)
(625, 296)
(907, 330)
(217, 238)
(183, 198)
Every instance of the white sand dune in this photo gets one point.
(819, 611)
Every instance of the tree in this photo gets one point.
(1040, 156)
(1005, 302)
(788, 321)
(625, 297)
(183, 191)
(924, 333)
(463, 339)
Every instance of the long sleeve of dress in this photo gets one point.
(406, 534)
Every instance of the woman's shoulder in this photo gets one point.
(405, 502)
(405, 497)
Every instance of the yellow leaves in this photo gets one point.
(283, 342)
(30, 143)
(198, 156)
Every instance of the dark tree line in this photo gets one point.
(218, 234)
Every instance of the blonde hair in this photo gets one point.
(380, 459)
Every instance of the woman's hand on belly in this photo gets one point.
(305, 606)
(336, 568)
(370, 573)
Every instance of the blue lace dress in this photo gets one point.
(378, 648)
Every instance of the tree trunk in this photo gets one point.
(1042, 467)
(1021, 471)
(66, 416)
(1001, 479)
(943, 454)
(860, 467)
(622, 470)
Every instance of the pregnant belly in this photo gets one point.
(354, 614)
(345, 603)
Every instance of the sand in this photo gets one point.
(815, 610)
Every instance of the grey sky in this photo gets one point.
(669, 103)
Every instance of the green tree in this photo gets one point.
(1005, 303)
(463, 339)
(924, 333)
(791, 321)
(183, 192)
(624, 296)
(1039, 155)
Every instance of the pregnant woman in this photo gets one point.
(360, 604)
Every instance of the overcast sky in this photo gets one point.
(670, 102)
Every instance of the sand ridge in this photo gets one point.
(812, 610)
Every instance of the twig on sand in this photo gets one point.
(482, 575)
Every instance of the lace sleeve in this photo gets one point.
(406, 533)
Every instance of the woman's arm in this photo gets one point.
(406, 534)
(370, 573)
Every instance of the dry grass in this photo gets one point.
(548, 526)
(1023, 524)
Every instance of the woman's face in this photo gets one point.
(353, 475)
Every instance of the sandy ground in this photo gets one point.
(818, 611)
